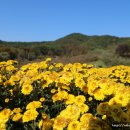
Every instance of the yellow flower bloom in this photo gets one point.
(80, 99)
(53, 90)
(33, 105)
(40, 124)
(125, 117)
(6, 100)
(51, 67)
(104, 117)
(60, 123)
(83, 126)
(17, 117)
(61, 95)
(70, 100)
(99, 94)
(90, 99)
(85, 89)
(79, 82)
(11, 68)
(45, 82)
(72, 112)
(123, 98)
(2, 125)
(85, 117)
(42, 99)
(43, 65)
(83, 108)
(103, 108)
(112, 101)
(56, 97)
(27, 89)
(1, 79)
(5, 114)
(74, 125)
(17, 110)
(44, 116)
(59, 65)
(45, 124)
(30, 115)
(116, 112)
(11, 82)
(11, 91)
(48, 59)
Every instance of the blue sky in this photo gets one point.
(45, 20)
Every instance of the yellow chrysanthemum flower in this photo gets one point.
(17, 117)
(70, 100)
(74, 125)
(45, 124)
(26, 89)
(53, 90)
(90, 99)
(80, 99)
(42, 99)
(6, 100)
(122, 99)
(17, 110)
(5, 114)
(125, 117)
(79, 82)
(116, 112)
(33, 105)
(60, 123)
(48, 59)
(85, 117)
(72, 112)
(103, 108)
(61, 95)
(2, 125)
(99, 94)
(83, 108)
(29, 115)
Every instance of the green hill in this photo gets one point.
(75, 47)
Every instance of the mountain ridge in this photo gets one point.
(104, 49)
(68, 36)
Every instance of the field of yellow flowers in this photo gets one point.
(53, 96)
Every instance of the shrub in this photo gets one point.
(4, 56)
(123, 50)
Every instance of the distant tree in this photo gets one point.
(32, 55)
(26, 52)
(123, 50)
(74, 49)
(13, 53)
(44, 50)
(4, 56)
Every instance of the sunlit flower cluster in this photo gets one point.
(47, 95)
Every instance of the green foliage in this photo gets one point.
(72, 45)
(4, 56)
(123, 50)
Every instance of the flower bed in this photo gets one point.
(53, 96)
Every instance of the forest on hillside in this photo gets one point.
(100, 50)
